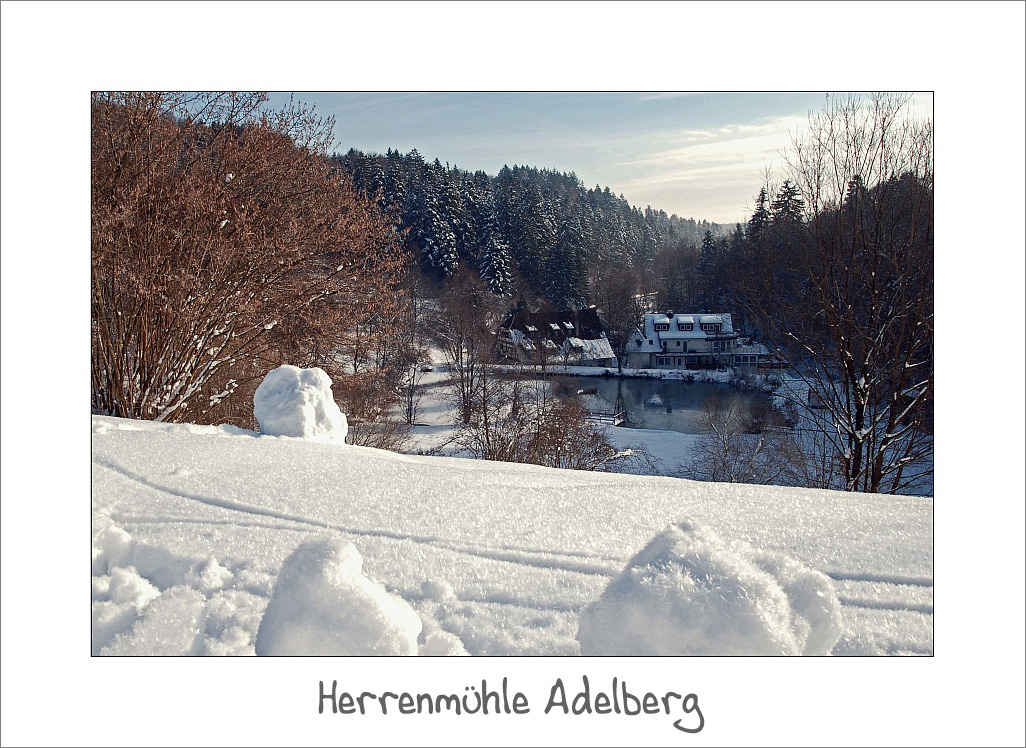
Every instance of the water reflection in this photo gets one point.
(673, 405)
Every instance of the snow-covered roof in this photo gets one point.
(591, 350)
(521, 340)
(554, 326)
(675, 333)
(568, 325)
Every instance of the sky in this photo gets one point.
(701, 155)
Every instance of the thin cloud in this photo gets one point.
(668, 95)
(736, 141)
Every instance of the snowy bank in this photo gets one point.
(723, 376)
(193, 527)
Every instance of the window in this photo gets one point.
(711, 327)
(662, 326)
(685, 326)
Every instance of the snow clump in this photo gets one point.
(322, 604)
(111, 546)
(440, 643)
(690, 593)
(298, 402)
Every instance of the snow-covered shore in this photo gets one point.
(690, 375)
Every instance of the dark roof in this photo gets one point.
(586, 324)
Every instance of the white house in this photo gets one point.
(692, 341)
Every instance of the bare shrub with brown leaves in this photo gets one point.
(223, 245)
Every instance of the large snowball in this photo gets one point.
(690, 593)
(298, 402)
(322, 604)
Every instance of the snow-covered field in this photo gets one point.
(192, 525)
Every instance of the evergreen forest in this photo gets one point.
(531, 231)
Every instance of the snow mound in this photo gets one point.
(438, 590)
(128, 586)
(209, 576)
(690, 593)
(441, 643)
(111, 546)
(171, 624)
(815, 609)
(322, 604)
(298, 402)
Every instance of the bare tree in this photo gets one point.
(517, 420)
(464, 328)
(565, 438)
(618, 296)
(222, 246)
(736, 448)
(414, 348)
(500, 420)
(851, 307)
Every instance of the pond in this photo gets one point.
(673, 405)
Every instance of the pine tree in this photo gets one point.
(566, 273)
(493, 262)
(760, 219)
(707, 271)
(438, 241)
(787, 207)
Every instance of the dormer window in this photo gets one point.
(711, 327)
(662, 326)
(685, 326)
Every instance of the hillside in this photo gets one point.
(192, 524)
